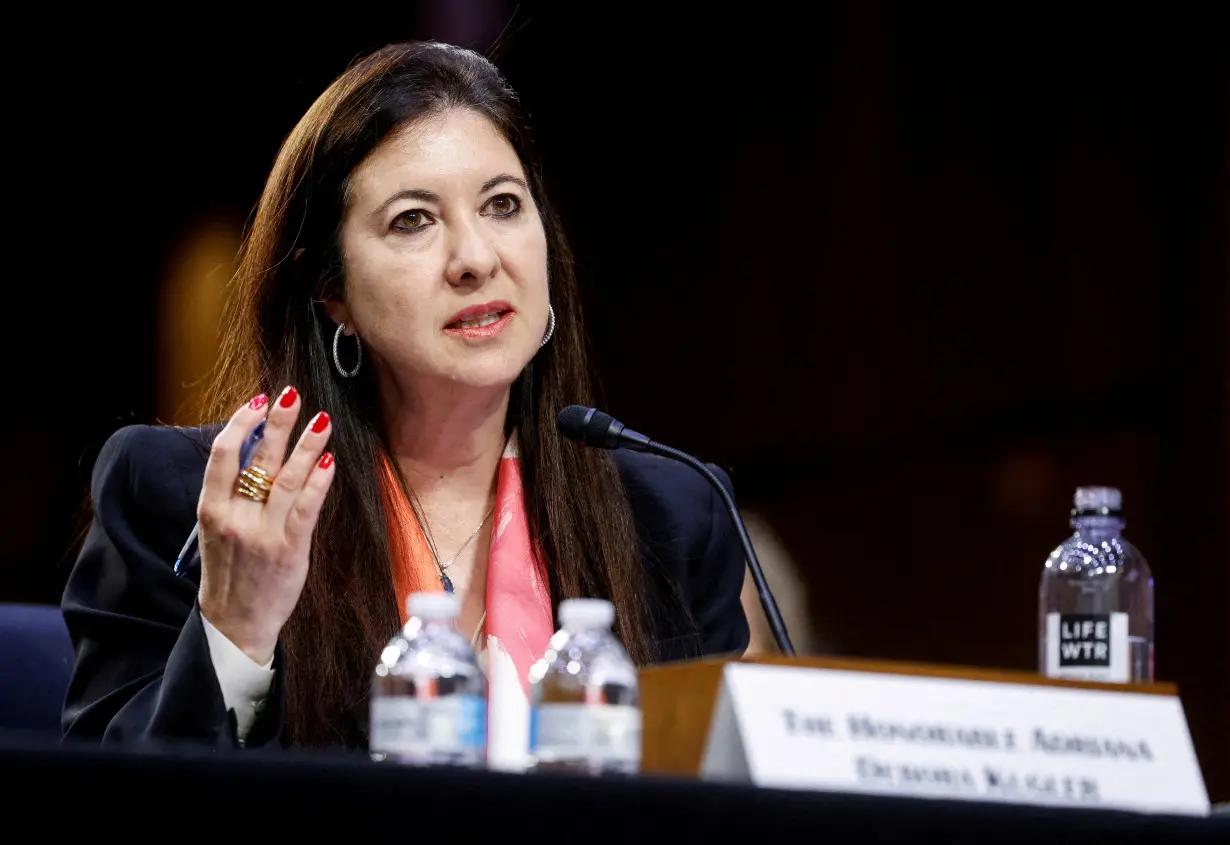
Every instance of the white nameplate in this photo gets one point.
(846, 731)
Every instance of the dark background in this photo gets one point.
(912, 271)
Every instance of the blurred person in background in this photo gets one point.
(789, 591)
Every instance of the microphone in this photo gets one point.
(602, 431)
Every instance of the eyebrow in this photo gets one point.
(500, 180)
(429, 196)
(412, 194)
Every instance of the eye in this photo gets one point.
(413, 220)
(504, 205)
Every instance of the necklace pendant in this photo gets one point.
(447, 582)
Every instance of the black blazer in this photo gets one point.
(143, 671)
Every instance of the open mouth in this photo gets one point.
(478, 321)
(484, 321)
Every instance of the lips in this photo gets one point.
(478, 316)
(476, 322)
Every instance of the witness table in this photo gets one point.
(189, 796)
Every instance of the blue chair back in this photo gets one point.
(36, 664)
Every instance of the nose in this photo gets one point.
(473, 258)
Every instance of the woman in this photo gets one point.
(406, 324)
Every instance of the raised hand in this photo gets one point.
(256, 527)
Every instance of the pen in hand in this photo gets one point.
(246, 452)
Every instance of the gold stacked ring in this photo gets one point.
(255, 483)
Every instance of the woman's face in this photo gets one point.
(445, 257)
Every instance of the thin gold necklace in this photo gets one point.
(442, 567)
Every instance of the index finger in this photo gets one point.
(224, 455)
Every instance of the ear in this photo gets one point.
(339, 313)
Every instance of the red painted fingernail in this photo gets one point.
(320, 423)
(289, 395)
(326, 460)
(259, 401)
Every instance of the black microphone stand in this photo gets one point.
(762, 587)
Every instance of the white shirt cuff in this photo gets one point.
(244, 683)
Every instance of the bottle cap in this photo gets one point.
(432, 606)
(1098, 499)
(586, 613)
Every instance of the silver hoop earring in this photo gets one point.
(550, 326)
(337, 359)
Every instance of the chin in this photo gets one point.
(490, 371)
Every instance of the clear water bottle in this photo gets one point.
(585, 712)
(1096, 600)
(429, 697)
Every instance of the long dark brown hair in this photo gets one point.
(290, 262)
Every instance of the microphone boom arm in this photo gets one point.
(771, 612)
(602, 431)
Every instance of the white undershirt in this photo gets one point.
(244, 682)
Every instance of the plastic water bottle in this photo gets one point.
(1096, 600)
(585, 705)
(429, 697)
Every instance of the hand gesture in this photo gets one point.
(256, 526)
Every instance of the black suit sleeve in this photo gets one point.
(715, 586)
(143, 673)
